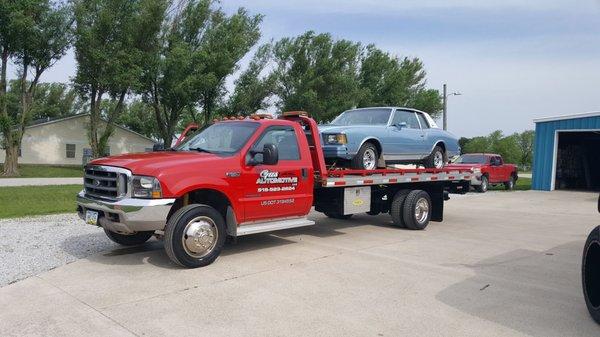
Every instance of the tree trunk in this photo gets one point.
(11, 166)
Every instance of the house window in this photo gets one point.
(70, 150)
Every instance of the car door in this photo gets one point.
(430, 136)
(280, 190)
(404, 136)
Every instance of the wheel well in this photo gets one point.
(442, 145)
(376, 143)
(210, 197)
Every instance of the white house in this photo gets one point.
(64, 142)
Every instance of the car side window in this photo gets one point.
(284, 138)
(424, 124)
(408, 117)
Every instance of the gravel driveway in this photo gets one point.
(32, 245)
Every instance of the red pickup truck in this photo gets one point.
(492, 169)
(248, 175)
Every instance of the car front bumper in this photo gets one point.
(337, 151)
(127, 215)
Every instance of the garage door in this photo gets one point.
(578, 161)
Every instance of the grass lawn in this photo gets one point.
(48, 171)
(523, 184)
(37, 200)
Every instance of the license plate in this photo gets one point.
(91, 217)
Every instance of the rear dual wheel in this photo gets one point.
(411, 209)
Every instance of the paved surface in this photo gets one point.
(39, 181)
(501, 264)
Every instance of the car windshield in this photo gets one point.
(221, 138)
(363, 117)
(471, 159)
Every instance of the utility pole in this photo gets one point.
(445, 105)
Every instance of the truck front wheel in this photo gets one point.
(129, 239)
(590, 273)
(195, 235)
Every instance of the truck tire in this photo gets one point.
(590, 273)
(129, 240)
(366, 158)
(336, 215)
(195, 235)
(397, 208)
(510, 184)
(485, 183)
(437, 158)
(417, 210)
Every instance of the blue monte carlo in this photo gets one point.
(369, 138)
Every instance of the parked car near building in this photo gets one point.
(368, 138)
(491, 168)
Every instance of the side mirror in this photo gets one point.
(158, 147)
(269, 154)
(401, 126)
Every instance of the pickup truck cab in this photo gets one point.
(242, 176)
(491, 168)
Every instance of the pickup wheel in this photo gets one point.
(195, 235)
(129, 239)
(366, 158)
(417, 210)
(510, 184)
(397, 208)
(437, 158)
(485, 184)
(336, 215)
(590, 273)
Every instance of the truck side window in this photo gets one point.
(284, 138)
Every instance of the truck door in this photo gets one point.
(495, 170)
(280, 190)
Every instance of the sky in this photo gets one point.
(512, 60)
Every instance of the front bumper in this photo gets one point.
(337, 151)
(127, 215)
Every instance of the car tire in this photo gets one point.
(366, 158)
(485, 184)
(397, 208)
(510, 184)
(437, 158)
(336, 215)
(129, 239)
(417, 210)
(590, 273)
(195, 235)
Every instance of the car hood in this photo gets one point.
(150, 163)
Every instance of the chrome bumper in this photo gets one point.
(127, 215)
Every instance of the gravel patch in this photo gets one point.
(29, 246)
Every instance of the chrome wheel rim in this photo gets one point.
(369, 159)
(438, 160)
(200, 236)
(421, 210)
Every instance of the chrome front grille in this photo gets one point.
(105, 182)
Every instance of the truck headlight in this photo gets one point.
(336, 138)
(146, 187)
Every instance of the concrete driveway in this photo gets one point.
(501, 264)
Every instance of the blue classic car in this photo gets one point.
(368, 138)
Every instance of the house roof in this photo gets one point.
(42, 122)
(571, 116)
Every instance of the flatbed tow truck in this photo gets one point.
(241, 176)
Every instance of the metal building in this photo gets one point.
(567, 152)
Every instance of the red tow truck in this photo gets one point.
(242, 176)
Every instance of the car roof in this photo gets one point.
(388, 107)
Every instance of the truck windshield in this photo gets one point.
(221, 138)
(363, 117)
(471, 159)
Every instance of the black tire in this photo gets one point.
(397, 208)
(129, 240)
(412, 219)
(590, 274)
(432, 162)
(336, 215)
(358, 162)
(485, 184)
(175, 235)
(510, 184)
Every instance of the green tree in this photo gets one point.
(139, 117)
(525, 142)
(34, 34)
(317, 74)
(113, 38)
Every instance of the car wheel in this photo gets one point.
(590, 273)
(485, 184)
(366, 158)
(437, 159)
(129, 239)
(510, 184)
